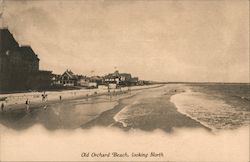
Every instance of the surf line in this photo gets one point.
(179, 95)
(121, 116)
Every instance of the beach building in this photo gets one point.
(112, 78)
(134, 81)
(122, 79)
(96, 79)
(68, 78)
(125, 79)
(89, 82)
(19, 66)
(82, 80)
(56, 79)
(40, 80)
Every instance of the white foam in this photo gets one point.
(122, 115)
(206, 109)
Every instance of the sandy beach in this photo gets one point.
(17, 100)
(75, 109)
(145, 108)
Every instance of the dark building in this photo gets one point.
(7, 41)
(40, 80)
(19, 66)
(125, 79)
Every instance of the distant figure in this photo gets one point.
(43, 97)
(2, 107)
(60, 98)
(27, 102)
(87, 97)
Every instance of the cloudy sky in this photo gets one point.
(184, 40)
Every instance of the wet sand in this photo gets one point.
(65, 114)
(68, 114)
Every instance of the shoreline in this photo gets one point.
(184, 113)
(168, 119)
(172, 99)
(214, 107)
(147, 109)
(54, 97)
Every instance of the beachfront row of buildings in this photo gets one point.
(19, 71)
(68, 78)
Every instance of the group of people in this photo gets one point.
(27, 103)
(44, 97)
(27, 108)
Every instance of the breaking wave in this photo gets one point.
(211, 111)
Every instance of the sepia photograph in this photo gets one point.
(124, 80)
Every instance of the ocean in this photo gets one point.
(218, 106)
(214, 106)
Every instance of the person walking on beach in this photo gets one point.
(45, 100)
(43, 97)
(60, 98)
(27, 102)
(2, 107)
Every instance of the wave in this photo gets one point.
(210, 111)
(123, 115)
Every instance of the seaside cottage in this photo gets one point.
(56, 79)
(68, 78)
(125, 79)
(112, 78)
(83, 81)
(121, 79)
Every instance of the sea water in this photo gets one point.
(218, 106)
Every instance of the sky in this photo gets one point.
(161, 40)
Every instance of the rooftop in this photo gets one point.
(7, 40)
